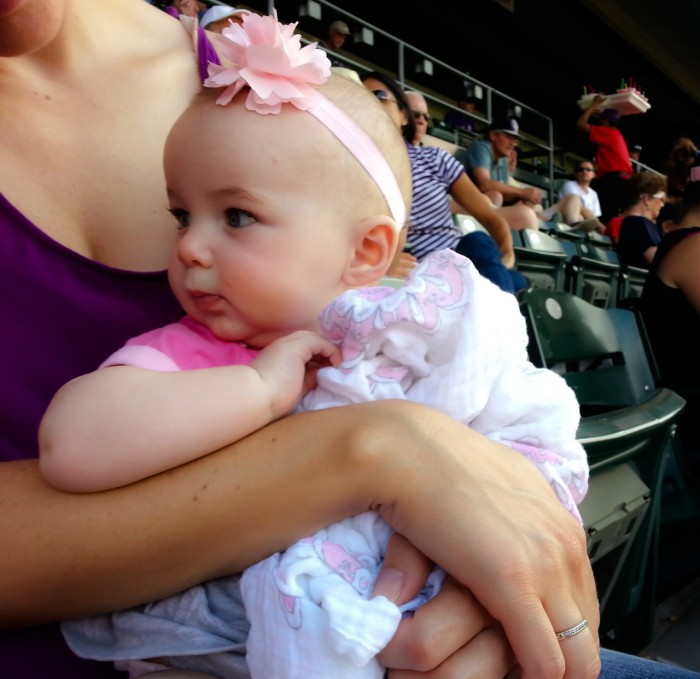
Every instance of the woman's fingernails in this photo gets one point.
(389, 583)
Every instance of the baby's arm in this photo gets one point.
(123, 423)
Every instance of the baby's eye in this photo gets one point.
(182, 216)
(237, 218)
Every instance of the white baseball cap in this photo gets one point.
(218, 12)
(340, 27)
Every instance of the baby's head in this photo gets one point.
(282, 206)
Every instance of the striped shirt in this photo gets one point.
(431, 226)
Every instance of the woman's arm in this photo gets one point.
(473, 202)
(497, 528)
(649, 254)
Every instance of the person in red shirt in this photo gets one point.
(612, 155)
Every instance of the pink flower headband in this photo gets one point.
(266, 56)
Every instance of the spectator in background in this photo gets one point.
(419, 108)
(218, 17)
(578, 203)
(635, 152)
(458, 120)
(512, 181)
(670, 306)
(486, 162)
(645, 194)
(676, 167)
(338, 31)
(669, 217)
(612, 155)
(612, 228)
(437, 177)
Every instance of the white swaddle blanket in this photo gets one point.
(436, 342)
(448, 338)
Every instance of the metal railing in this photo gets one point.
(370, 47)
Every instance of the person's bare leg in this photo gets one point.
(570, 208)
(495, 197)
(520, 217)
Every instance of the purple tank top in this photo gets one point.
(63, 315)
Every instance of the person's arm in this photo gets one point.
(171, 417)
(474, 203)
(482, 178)
(403, 262)
(649, 254)
(595, 105)
(520, 553)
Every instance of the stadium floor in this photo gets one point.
(677, 637)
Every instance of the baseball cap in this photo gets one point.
(507, 125)
(340, 27)
(218, 12)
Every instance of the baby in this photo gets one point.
(289, 189)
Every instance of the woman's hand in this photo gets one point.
(450, 636)
(510, 542)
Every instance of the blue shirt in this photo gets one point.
(480, 154)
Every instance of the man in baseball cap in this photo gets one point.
(507, 126)
(486, 162)
(338, 31)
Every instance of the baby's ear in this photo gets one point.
(374, 248)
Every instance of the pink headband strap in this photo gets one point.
(359, 143)
(266, 56)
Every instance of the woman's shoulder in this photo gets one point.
(673, 238)
(637, 224)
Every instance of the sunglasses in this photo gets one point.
(420, 114)
(584, 169)
(383, 96)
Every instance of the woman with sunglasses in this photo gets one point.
(439, 179)
(419, 108)
(640, 235)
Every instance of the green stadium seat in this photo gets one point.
(540, 258)
(627, 426)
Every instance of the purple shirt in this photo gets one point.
(63, 314)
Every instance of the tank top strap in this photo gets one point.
(203, 48)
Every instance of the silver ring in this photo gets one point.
(572, 631)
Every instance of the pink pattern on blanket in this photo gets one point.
(437, 285)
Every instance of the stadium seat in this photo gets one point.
(598, 274)
(540, 258)
(468, 224)
(626, 428)
(631, 283)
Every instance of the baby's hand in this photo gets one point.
(288, 367)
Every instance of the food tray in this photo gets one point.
(625, 103)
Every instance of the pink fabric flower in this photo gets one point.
(267, 57)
